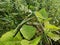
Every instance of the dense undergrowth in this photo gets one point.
(29, 22)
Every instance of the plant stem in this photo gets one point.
(21, 24)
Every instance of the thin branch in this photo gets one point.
(21, 24)
(32, 23)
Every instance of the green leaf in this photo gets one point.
(28, 31)
(32, 42)
(53, 36)
(8, 36)
(39, 16)
(48, 19)
(1, 43)
(50, 26)
(17, 37)
(44, 13)
(12, 43)
(25, 42)
(36, 40)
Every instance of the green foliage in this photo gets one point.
(28, 30)
(41, 29)
(25, 42)
(33, 42)
(9, 36)
(8, 39)
(53, 36)
(12, 43)
(50, 26)
(44, 13)
(47, 28)
(36, 41)
(39, 16)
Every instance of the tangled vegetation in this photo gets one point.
(29, 22)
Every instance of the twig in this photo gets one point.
(21, 24)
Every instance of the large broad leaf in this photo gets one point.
(53, 36)
(9, 36)
(28, 31)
